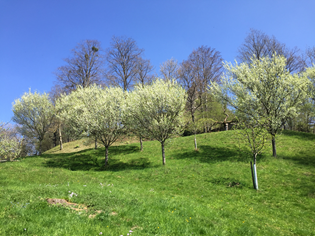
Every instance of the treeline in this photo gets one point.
(122, 65)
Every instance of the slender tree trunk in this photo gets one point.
(55, 138)
(255, 172)
(40, 147)
(163, 153)
(106, 155)
(273, 141)
(95, 143)
(60, 138)
(193, 120)
(253, 178)
(141, 147)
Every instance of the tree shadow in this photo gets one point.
(210, 154)
(299, 135)
(93, 160)
(301, 158)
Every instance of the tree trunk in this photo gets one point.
(95, 143)
(195, 142)
(55, 138)
(274, 152)
(193, 120)
(141, 147)
(106, 156)
(255, 172)
(163, 153)
(60, 137)
(253, 178)
(40, 147)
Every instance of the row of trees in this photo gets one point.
(122, 65)
(152, 111)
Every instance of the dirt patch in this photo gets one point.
(64, 203)
(75, 206)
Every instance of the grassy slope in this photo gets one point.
(206, 192)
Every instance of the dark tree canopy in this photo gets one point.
(259, 45)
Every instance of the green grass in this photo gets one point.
(204, 192)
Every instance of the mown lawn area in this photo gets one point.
(204, 192)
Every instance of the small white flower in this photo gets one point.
(100, 233)
(110, 191)
(84, 185)
(24, 229)
(130, 231)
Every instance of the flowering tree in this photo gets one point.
(157, 110)
(96, 111)
(263, 89)
(35, 113)
(10, 146)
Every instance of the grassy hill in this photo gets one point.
(204, 192)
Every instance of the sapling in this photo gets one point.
(254, 133)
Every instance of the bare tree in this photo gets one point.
(122, 59)
(190, 82)
(169, 69)
(207, 67)
(83, 68)
(143, 72)
(259, 45)
(310, 54)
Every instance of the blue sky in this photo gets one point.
(36, 35)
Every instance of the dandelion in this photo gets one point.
(189, 217)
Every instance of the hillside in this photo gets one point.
(204, 192)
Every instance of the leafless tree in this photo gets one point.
(122, 59)
(190, 83)
(258, 44)
(310, 54)
(169, 69)
(207, 64)
(143, 72)
(202, 66)
(83, 68)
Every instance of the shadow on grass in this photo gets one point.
(299, 135)
(94, 160)
(210, 154)
(301, 158)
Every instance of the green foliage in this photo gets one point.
(10, 147)
(98, 112)
(251, 136)
(263, 89)
(157, 109)
(35, 113)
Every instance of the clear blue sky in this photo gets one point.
(36, 35)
